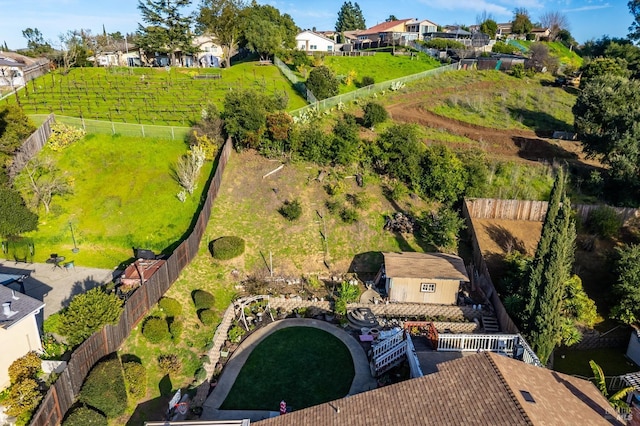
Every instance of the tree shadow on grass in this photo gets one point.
(505, 239)
(536, 149)
(542, 123)
(153, 409)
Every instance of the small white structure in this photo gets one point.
(11, 72)
(313, 42)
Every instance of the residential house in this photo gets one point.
(384, 32)
(16, 69)
(310, 42)
(541, 34)
(422, 277)
(18, 328)
(504, 30)
(210, 53)
(479, 389)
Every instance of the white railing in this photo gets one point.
(388, 358)
(412, 358)
(501, 343)
(387, 344)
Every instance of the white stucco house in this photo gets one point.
(19, 333)
(310, 42)
(11, 72)
(210, 54)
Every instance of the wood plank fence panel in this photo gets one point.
(64, 391)
(31, 146)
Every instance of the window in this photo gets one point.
(428, 287)
(313, 47)
(329, 48)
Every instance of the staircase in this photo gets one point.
(388, 353)
(490, 324)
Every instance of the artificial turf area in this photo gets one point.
(301, 365)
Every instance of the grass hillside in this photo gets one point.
(147, 95)
(381, 67)
(123, 196)
(565, 56)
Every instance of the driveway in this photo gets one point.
(55, 286)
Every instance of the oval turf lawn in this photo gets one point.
(302, 365)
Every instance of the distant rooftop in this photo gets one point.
(21, 306)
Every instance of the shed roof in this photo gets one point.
(424, 265)
(21, 306)
(479, 389)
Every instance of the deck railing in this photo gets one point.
(381, 363)
(511, 344)
(387, 344)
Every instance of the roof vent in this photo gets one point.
(6, 310)
(527, 396)
(13, 295)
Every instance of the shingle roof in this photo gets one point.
(21, 306)
(424, 265)
(472, 391)
(383, 27)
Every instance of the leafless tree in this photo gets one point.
(555, 21)
(70, 44)
(43, 180)
(484, 16)
(187, 169)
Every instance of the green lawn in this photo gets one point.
(303, 366)
(147, 95)
(560, 51)
(613, 361)
(123, 196)
(382, 67)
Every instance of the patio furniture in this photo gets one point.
(55, 260)
(69, 265)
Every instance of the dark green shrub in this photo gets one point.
(443, 44)
(225, 248)
(85, 416)
(374, 113)
(441, 229)
(291, 210)
(323, 83)
(604, 221)
(15, 217)
(169, 363)
(156, 330)
(518, 70)
(175, 328)
(171, 307)
(105, 389)
(203, 300)
(333, 206)
(88, 313)
(136, 378)
(367, 81)
(207, 317)
(360, 200)
(349, 215)
(200, 375)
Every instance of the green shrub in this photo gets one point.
(169, 363)
(367, 81)
(52, 348)
(518, 70)
(105, 388)
(225, 248)
(360, 200)
(63, 135)
(291, 210)
(207, 317)
(171, 307)
(88, 313)
(501, 47)
(22, 398)
(374, 113)
(200, 375)
(441, 229)
(604, 221)
(323, 83)
(136, 378)
(175, 328)
(349, 215)
(333, 206)
(235, 333)
(15, 217)
(85, 416)
(156, 330)
(399, 191)
(25, 367)
(52, 323)
(203, 300)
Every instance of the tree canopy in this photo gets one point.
(15, 217)
(607, 113)
(626, 288)
(350, 18)
(221, 20)
(555, 22)
(634, 29)
(167, 28)
(521, 21)
(323, 83)
(489, 27)
(266, 31)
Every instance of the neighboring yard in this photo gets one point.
(300, 365)
(147, 95)
(123, 197)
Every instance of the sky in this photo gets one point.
(588, 19)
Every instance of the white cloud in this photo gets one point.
(587, 8)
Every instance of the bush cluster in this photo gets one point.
(291, 210)
(203, 300)
(604, 221)
(105, 389)
(136, 378)
(63, 135)
(85, 416)
(23, 397)
(367, 81)
(156, 330)
(175, 328)
(207, 317)
(374, 113)
(225, 248)
(25, 367)
(169, 363)
(171, 307)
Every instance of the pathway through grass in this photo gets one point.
(301, 365)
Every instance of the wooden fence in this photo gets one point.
(31, 146)
(491, 208)
(64, 391)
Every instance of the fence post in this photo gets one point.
(113, 128)
(83, 125)
(142, 127)
(173, 136)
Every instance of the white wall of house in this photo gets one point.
(312, 42)
(423, 290)
(210, 54)
(20, 339)
(11, 76)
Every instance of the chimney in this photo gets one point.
(6, 309)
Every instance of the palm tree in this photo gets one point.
(617, 399)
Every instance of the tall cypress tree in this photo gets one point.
(551, 269)
(350, 18)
